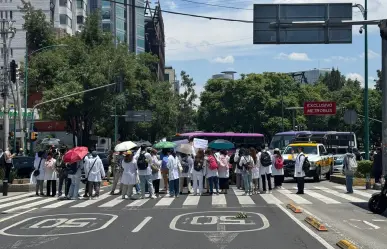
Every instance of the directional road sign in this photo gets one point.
(138, 116)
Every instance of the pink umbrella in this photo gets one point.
(75, 155)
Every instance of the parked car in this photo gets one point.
(338, 164)
(24, 166)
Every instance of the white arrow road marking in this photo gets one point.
(221, 239)
(142, 224)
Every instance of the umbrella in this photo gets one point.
(221, 144)
(164, 145)
(76, 154)
(184, 148)
(50, 141)
(125, 146)
(143, 143)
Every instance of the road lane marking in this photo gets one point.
(341, 195)
(166, 201)
(370, 224)
(270, 199)
(15, 215)
(320, 197)
(10, 198)
(59, 204)
(307, 229)
(90, 202)
(138, 203)
(243, 200)
(295, 198)
(219, 200)
(19, 202)
(358, 192)
(113, 202)
(142, 224)
(191, 201)
(34, 204)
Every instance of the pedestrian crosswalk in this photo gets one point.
(314, 195)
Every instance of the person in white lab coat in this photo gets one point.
(39, 167)
(238, 169)
(95, 172)
(247, 164)
(198, 172)
(174, 171)
(156, 172)
(223, 170)
(129, 174)
(186, 162)
(145, 172)
(278, 169)
(299, 173)
(255, 175)
(50, 175)
(266, 169)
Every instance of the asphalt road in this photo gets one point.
(193, 222)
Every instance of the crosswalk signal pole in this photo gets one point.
(383, 34)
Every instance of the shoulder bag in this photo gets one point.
(37, 171)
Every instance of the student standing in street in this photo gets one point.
(299, 173)
(349, 167)
(94, 172)
(145, 172)
(129, 175)
(278, 169)
(198, 172)
(50, 175)
(174, 171)
(266, 168)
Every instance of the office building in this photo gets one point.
(225, 75)
(170, 75)
(124, 19)
(154, 38)
(309, 76)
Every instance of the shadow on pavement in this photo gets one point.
(364, 205)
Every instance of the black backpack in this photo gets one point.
(198, 165)
(265, 159)
(231, 160)
(142, 164)
(306, 165)
(185, 165)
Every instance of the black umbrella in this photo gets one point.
(143, 143)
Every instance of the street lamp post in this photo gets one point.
(26, 87)
(62, 97)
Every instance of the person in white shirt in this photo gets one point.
(129, 174)
(156, 172)
(299, 173)
(198, 171)
(39, 164)
(94, 172)
(173, 169)
(266, 168)
(145, 173)
(186, 164)
(247, 164)
(255, 171)
(223, 171)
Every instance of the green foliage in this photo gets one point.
(187, 115)
(364, 167)
(378, 81)
(40, 32)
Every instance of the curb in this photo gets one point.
(315, 223)
(345, 244)
(294, 208)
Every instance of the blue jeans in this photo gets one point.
(174, 187)
(349, 183)
(137, 186)
(74, 187)
(247, 179)
(146, 179)
(213, 180)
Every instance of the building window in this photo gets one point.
(141, 43)
(63, 3)
(11, 52)
(166, 76)
(80, 4)
(120, 24)
(140, 31)
(63, 19)
(70, 6)
(106, 14)
(10, 15)
(121, 36)
(79, 19)
(105, 4)
(120, 12)
(106, 27)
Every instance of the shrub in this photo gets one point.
(364, 167)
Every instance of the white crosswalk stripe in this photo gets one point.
(334, 195)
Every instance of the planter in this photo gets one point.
(340, 179)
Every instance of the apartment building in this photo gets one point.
(170, 75)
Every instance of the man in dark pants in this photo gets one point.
(377, 165)
(299, 173)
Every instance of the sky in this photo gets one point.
(204, 47)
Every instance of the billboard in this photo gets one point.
(319, 108)
(284, 14)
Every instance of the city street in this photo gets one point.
(193, 221)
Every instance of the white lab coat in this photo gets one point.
(50, 172)
(156, 162)
(298, 172)
(96, 172)
(129, 175)
(223, 169)
(255, 170)
(41, 168)
(276, 172)
(173, 167)
(265, 170)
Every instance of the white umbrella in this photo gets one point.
(125, 146)
(184, 148)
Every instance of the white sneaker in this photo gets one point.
(152, 197)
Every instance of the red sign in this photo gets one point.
(320, 108)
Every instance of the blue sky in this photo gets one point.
(206, 47)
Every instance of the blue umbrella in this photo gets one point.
(221, 144)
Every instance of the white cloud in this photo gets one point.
(371, 54)
(229, 59)
(293, 57)
(356, 76)
(171, 5)
(340, 58)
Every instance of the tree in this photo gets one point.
(39, 31)
(378, 81)
(334, 80)
(187, 114)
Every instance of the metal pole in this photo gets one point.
(294, 118)
(26, 101)
(366, 121)
(115, 123)
(14, 129)
(19, 109)
(383, 29)
(282, 110)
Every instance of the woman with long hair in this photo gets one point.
(156, 173)
(255, 171)
(129, 174)
(212, 171)
(198, 171)
(246, 163)
(223, 171)
(278, 169)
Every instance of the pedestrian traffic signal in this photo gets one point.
(34, 136)
(13, 69)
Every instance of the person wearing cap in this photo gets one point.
(129, 174)
(94, 172)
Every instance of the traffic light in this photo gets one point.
(13, 69)
(34, 136)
